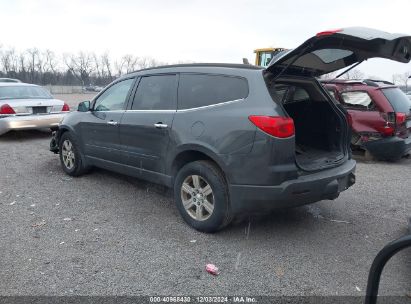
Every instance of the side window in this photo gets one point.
(296, 94)
(198, 90)
(357, 99)
(300, 94)
(265, 58)
(157, 92)
(114, 97)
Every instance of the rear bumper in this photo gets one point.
(29, 122)
(390, 148)
(305, 189)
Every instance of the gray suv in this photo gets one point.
(230, 139)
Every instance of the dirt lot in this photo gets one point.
(107, 234)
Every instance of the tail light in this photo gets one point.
(277, 126)
(387, 130)
(400, 118)
(65, 108)
(6, 109)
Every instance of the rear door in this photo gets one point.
(100, 129)
(365, 116)
(146, 125)
(330, 51)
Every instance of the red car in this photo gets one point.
(379, 114)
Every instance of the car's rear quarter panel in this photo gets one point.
(247, 155)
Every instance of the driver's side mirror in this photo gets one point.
(84, 106)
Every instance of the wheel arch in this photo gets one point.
(191, 153)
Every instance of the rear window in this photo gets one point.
(157, 92)
(23, 92)
(357, 99)
(288, 94)
(197, 90)
(398, 100)
(331, 55)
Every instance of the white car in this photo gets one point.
(409, 94)
(28, 106)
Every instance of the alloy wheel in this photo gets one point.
(197, 197)
(68, 154)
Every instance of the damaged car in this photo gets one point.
(379, 114)
(230, 139)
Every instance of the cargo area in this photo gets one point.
(318, 142)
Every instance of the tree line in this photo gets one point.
(45, 67)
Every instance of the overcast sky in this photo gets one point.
(201, 31)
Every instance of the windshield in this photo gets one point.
(399, 101)
(23, 92)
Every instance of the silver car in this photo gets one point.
(28, 106)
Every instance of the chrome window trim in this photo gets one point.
(211, 106)
(185, 110)
(151, 111)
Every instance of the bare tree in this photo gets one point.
(354, 74)
(51, 61)
(7, 60)
(98, 66)
(44, 67)
(80, 65)
(402, 79)
(148, 62)
(329, 76)
(106, 62)
(119, 65)
(32, 57)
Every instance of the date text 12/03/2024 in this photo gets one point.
(202, 299)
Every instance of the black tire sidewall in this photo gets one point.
(77, 156)
(215, 179)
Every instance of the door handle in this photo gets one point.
(112, 123)
(160, 125)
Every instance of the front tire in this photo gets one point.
(201, 196)
(70, 156)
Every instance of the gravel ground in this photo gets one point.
(107, 234)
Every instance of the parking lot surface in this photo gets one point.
(74, 99)
(107, 234)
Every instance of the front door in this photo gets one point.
(100, 131)
(145, 127)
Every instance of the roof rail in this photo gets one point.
(216, 65)
(369, 82)
(343, 81)
(383, 81)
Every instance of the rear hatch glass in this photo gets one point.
(398, 100)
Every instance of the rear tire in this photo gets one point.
(70, 156)
(201, 196)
